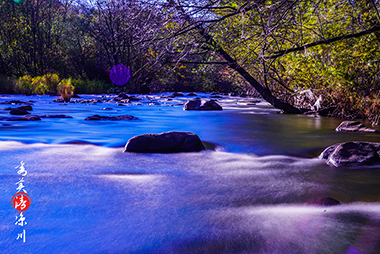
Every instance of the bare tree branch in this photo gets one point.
(186, 62)
(322, 42)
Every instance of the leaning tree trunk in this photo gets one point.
(264, 92)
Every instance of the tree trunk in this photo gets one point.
(263, 91)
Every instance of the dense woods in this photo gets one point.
(298, 55)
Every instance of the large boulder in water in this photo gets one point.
(202, 104)
(354, 126)
(20, 112)
(351, 154)
(167, 142)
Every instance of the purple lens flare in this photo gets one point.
(120, 75)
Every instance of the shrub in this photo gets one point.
(40, 89)
(51, 81)
(23, 85)
(39, 85)
(66, 89)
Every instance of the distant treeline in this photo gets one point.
(84, 40)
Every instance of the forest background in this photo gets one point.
(311, 55)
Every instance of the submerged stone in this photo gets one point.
(351, 154)
(111, 118)
(54, 116)
(25, 118)
(167, 142)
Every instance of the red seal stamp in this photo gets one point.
(21, 201)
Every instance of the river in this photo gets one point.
(249, 194)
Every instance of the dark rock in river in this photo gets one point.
(132, 98)
(18, 112)
(168, 142)
(32, 118)
(59, 99)
(327, 201)
(15, 102)
(89, 101)
(354, 126)
(176, 94)
(351, 154)
(191, 94)
(111, 118)
(198, 104)
(25, 118)
(54, 116)
(124, 96)
(28, 108)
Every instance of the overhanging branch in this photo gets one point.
(186, 62)
(322, 42)
(232, 63)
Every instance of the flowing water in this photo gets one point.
(249, 194)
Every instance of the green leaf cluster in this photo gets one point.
(346, 73)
